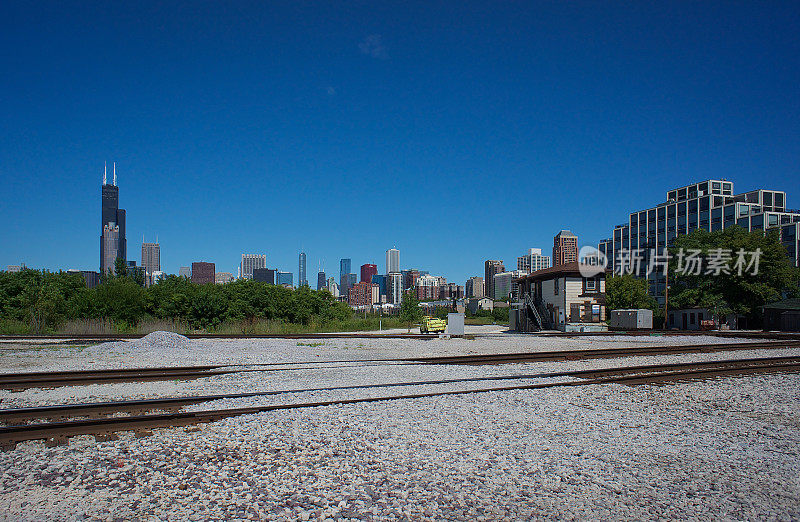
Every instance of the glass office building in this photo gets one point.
(709, 205)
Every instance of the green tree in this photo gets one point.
(120, 267)
(743, 293)
(410, 311)
(627, 291)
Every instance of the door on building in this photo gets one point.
(575, 312)
(685, 321)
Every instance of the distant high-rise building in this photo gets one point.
(565, 248)
(333, 287)
(249, 263)
(491, 267)
(392, 260)
(283, 278)
(14, 268)
(110, 248)
(475, 287)
(91, 278)
(221, 278)
(345, 265)
(410, 277)
(322, 281)
(113, 218)
(504, 285)
(302, 280)
(203, 273)
(533, 261)
(367, 271)
(380, 280)
(363, 294)
(264, 275)
(151, 257)
(347, 282)
(394, 287)
(185, 271)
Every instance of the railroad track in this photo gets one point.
(83, 338)
(102, 425)
(24, 380)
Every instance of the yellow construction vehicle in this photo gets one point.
(432, 325)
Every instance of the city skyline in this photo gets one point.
(106, 208)
(594, 107)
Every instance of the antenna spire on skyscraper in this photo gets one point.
(105, 172)
(115, 173)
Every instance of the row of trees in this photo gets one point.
(731, 292)
(44, 300)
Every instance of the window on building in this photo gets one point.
(773, 219)
(589, 283)
(767, 198)
(716, 187)
(555, 286)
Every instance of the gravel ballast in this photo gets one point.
(717, 449)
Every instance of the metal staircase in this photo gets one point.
(532, 306)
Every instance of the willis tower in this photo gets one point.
(112, 239)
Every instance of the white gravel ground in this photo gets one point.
(259, 351)
(722, 449)
(725, 449)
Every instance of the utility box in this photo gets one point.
(455, 324)
(634, 319)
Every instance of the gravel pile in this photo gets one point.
(725, 449)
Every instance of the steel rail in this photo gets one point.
(141, 405)
(59, 431)
(24, 380)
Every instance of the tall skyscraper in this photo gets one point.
(112, 217)
(392, 260)
(367, 271)
(203, 273)
(322, 281)
(302, 280)
(565, 248)
(249, 263)
(109, 248)
(491, 267)
(151, 257)
(394, 287)
(345, 265)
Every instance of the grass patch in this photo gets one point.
(311, 345)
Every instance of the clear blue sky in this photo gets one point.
(456, 131)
